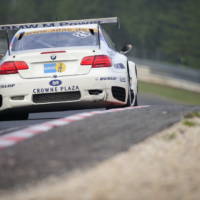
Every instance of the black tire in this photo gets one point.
(130, 91)
(136, 101)
(131, 98)
(14, 116)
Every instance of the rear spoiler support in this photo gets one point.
(8, 42)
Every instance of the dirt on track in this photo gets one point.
(162, 167)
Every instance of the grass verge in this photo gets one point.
(179, 95)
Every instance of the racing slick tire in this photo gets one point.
(132, 99)
(14, 116)
(136, 101)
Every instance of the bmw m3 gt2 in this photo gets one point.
(64, 65)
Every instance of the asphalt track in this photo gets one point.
(81, 144)
(9, 126)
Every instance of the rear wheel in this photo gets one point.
(136, 101)
(132, 98)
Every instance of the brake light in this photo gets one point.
(97, 61)
(12, 67)
(50, 52)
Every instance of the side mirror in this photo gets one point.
(126, 49)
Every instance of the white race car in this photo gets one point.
(64, 65)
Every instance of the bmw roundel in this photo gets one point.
(55, 82)
(53, 57)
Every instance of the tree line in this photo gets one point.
(158, 29)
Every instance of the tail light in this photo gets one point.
(12, 67)
(97, 61)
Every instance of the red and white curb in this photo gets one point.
(18, 136)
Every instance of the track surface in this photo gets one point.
(10, 126)
(81, 144)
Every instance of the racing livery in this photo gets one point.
(64, 65)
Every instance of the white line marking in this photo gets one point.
(75, 117)
(18, 136)
(5, 143)
(86, 114)
(23, 133)
(40, 127)
(4, 131)
(55, 123)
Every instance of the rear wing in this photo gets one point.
(109, 20)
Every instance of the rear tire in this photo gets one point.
(132, 99)
(136, 101)
(14, 116)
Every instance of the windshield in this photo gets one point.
(53, 38)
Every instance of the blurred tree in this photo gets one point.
(158, 29)
(182, 30)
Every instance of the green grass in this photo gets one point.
(179, 95)
(192, 115)
(189, 123)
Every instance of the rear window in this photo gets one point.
(53, 38)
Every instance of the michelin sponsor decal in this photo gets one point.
(121, 79)
(108, 78)
(56, 89)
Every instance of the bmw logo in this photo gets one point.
(53, 57)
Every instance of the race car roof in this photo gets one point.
(59, 23)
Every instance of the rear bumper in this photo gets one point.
(18, 95)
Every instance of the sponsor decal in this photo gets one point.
(55, 89)
(108, 78)
(121, 79)
(7, 86)
(55, 83)
(82, 34)
(50, 68)
(119, 66)
(60, 67)
(54, 30)
(54, 67)
(58, 23)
